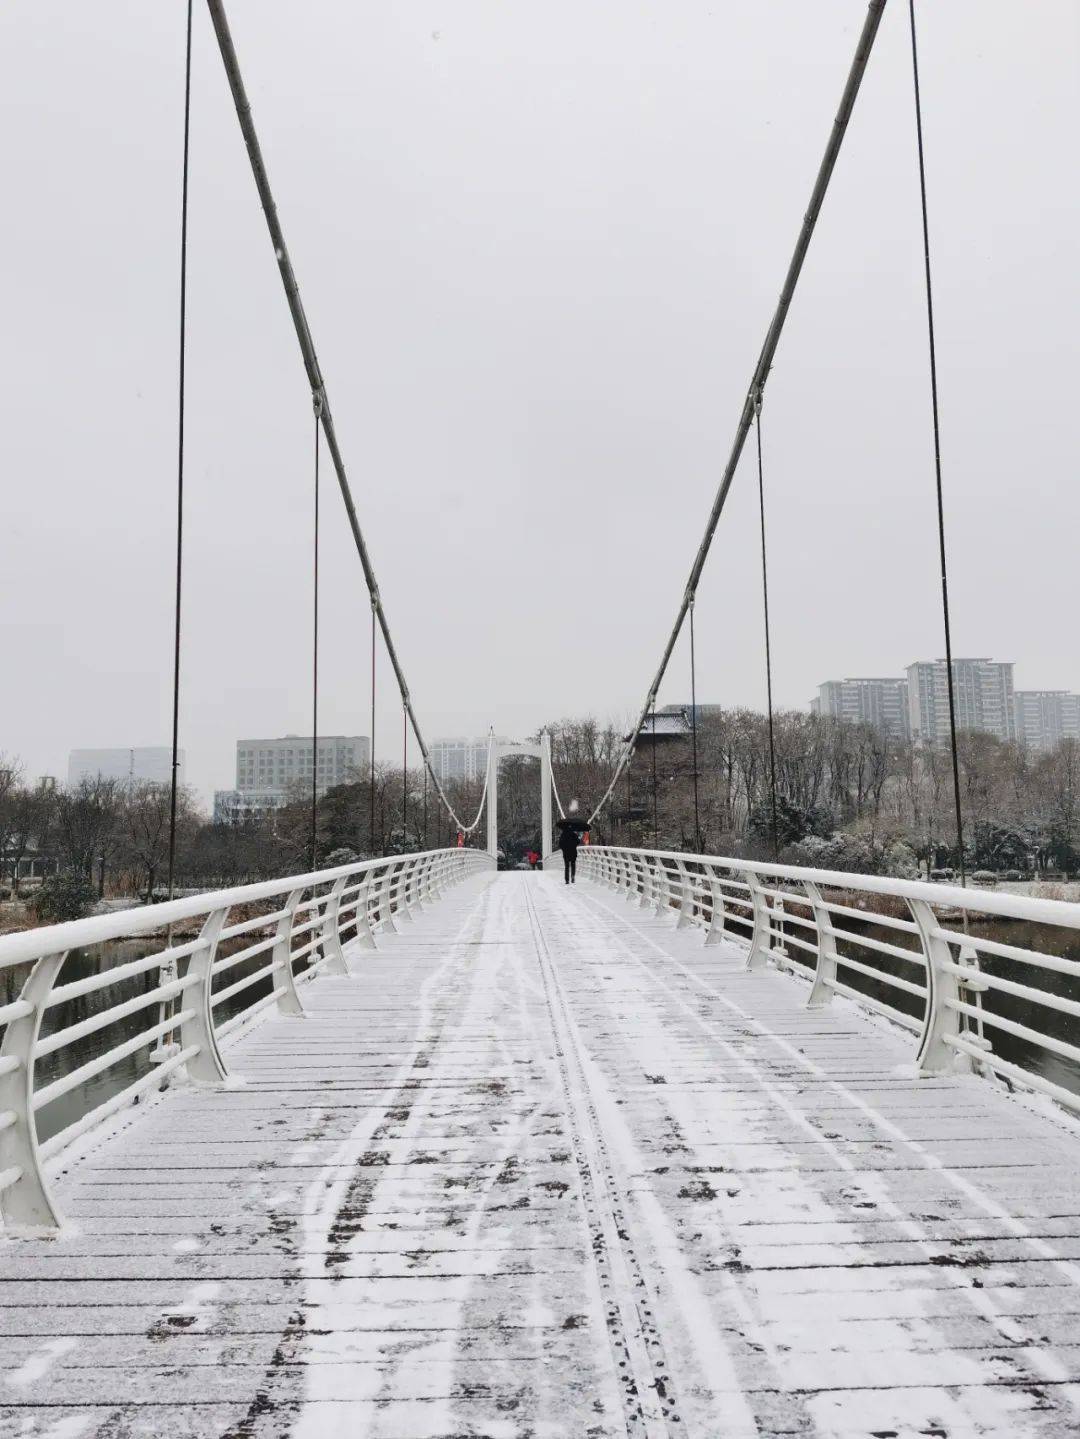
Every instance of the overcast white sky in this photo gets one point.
(539, 245)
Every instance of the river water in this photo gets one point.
(92, 960)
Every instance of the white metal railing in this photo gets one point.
(302, 921)
(912, 943)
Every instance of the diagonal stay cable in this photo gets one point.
(311, 362)
(761, 370)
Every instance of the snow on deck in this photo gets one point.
(541, 1167)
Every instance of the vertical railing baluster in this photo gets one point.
(821, 991)
(686, 898)
(715, 933)
(761, 940)
(386, 914)
(330, 930)
(940, 1020)
(26, 1202)
(288, 1001)
(206, 1065)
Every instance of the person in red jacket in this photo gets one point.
(533, 858)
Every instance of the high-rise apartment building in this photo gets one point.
(266, 769)
(983, 693)
(882, 703)
(141, 763)
(1045, 717)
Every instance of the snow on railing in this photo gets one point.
(293, 928)
(908, 950)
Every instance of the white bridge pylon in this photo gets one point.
(503, 750)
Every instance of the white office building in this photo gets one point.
(882, 703)
(267, 769)
(983, 693)
(1045, 717)
(460, 758)
(133, 766)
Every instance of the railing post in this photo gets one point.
(288, 1002)
(435, 877)
(778, 933)
(426, 874)
(419, 870)
(973, 986)
(26, 1204)
(821, 991)
(364, 937)
(329, 932)
(716, 907)
(661, 905)
(386, 917)
(206, 1066)
(761, 940)
(686, 897)
(622, 876)
(404, 909)
(638, 896)
(935, 1055)
(648, 883)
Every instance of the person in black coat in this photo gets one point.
(568, 843)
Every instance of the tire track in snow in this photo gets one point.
(645, 1384)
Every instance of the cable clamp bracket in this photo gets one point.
(318, 403)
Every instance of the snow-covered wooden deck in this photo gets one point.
(544, 1166)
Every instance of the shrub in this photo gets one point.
(63, 897)
(338, 857)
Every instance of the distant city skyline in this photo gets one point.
(916, 704)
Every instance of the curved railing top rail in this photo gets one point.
(31, 944)
(1012, 906)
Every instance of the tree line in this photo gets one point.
(847, 797)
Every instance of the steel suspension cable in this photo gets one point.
(311, 362)
(555, 791)
(937, 453)
(857, 70)
(404, 775)
(468, 829)
(371, 777)
(174, 772)
(768, 645)
(315, 658)
(693, 731)
(655, 801)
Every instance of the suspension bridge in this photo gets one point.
(413, 1148)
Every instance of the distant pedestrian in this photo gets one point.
(568, 843)
(533, 858)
